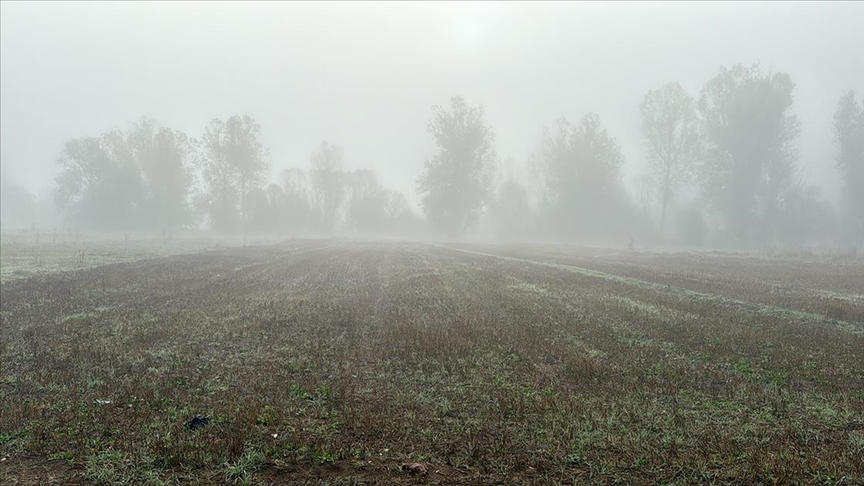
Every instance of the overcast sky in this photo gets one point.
(364, 75)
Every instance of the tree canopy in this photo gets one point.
(748, 128)
(671, 133)
(232, 165)
(454, 183)
(849, 137)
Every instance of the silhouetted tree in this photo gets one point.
(646, 189)
(84, 165)
(296, 206)
(806, 218)
(233, 165)
(400, 218)
(395, 204)
(165, 158)
(581, 165)
(454, 184)
(512, 210)
(328, 181)
(671, 133)
(366, 211)
(749, 163)
(849, 136)
(100, 185)
(268, 210)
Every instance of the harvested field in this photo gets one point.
(25, 255)
(337, 362)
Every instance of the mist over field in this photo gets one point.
(453, 243)
(557, 121)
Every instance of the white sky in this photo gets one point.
(364, 75)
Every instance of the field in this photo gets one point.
(351, 362)
(23, 255)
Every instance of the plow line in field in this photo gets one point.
(762, 309)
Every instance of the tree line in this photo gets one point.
(147, 176)
(731, 148)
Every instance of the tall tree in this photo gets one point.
(849, 136)
(83, 166)
(99, 184)
(165, 157)
(512, 210)
(750, 160)
(645, 190)
(395, 204)
(455, 182)
(582, 170)
(127, 190)
(233, 165)
(806, 217)
(296, 209)
(366, 211)
(328, 180)
(671, 133)
(267, 210)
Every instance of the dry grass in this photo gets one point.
(323, 362)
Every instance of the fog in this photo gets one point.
(365, 76)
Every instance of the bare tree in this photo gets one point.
(328, 180)
(233, 163)
(646, 189)
(366, 211)
(849, 136)
(671, 133)
(395, 204)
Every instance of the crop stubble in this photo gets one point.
(323, 361)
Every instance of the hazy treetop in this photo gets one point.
(365, 75)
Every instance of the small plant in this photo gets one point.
(743, 366)
(322, 457)
(61, 456)
(245, 466)
(299, 393)
(323, 392)
(267, 416)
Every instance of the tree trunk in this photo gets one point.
(243, 209)
(663, 210)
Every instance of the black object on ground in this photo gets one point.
(197, 422)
